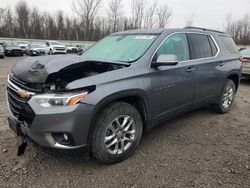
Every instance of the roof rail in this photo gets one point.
(204, 29)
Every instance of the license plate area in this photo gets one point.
(15, 126)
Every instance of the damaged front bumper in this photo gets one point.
(64, 127)
(47, 126)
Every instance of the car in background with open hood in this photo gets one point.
(35, 50)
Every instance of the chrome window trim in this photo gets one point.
(215, 42)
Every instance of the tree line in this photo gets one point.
(92, 19)
(239, 29)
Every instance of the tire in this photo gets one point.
(107, 128)
(50, 52)
(226, 98)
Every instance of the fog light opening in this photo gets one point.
(63, 139)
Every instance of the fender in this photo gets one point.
(114, 97)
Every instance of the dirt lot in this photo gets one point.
(199, 149)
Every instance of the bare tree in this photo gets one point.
(60, 24)
(150, 20)
(36, 24)
(2, 17)
(238, 29)
(22, 11)
(138, 8)
(114, 13)
(189, 20)
(87, 10)
(164, 13)
(9, 20)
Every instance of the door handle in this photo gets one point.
(221, 64)
(190, 69)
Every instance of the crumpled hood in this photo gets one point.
(37, 69)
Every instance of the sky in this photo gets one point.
(209, 13)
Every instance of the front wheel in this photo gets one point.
(118, 132)
(226, 98)
(50, 52)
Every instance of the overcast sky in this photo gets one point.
(209, 13)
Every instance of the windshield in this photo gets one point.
(12, 45)
(36, 46)
(245, 52)
(55, 43)
(124, 48)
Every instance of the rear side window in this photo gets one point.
(229, 44)
(201, 46)
(213, 46)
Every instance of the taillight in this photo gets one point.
(242, 59)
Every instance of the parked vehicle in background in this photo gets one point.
(81, 49)
(54, 47)
(125, 84)
(23, 45)
(1, 52)
(12, 49)
(71, 49)
(35, 50)
(245, 52)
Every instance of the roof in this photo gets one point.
(160, 31)
(140, 31)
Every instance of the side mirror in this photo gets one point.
(166, 60)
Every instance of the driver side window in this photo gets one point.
(176, 44)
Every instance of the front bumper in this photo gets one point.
(34, 52)
(73, 120)
(246, 68)
(56, 51)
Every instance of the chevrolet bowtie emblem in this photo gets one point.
(23, 94)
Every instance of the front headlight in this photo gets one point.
(65, 99)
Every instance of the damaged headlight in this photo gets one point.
(65, 99)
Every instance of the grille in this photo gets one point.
(19, 106)
(16, 52)
(61, 49)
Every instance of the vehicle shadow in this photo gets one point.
(245, 81)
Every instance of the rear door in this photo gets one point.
(208, 77)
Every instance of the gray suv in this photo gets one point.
(102, 101)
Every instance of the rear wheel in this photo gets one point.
(118, 132)
(226, 99)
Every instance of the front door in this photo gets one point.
(172, 86)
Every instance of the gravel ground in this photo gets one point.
(198, 149)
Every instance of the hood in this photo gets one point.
(37, 49)
(13, 48)
(38, 69)
(58, 46)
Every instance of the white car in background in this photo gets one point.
(54, 47)
(1, 51)
(245, 52)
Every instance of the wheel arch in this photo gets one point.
(235, 78)
(135, 98)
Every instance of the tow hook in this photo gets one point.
(21, 148)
